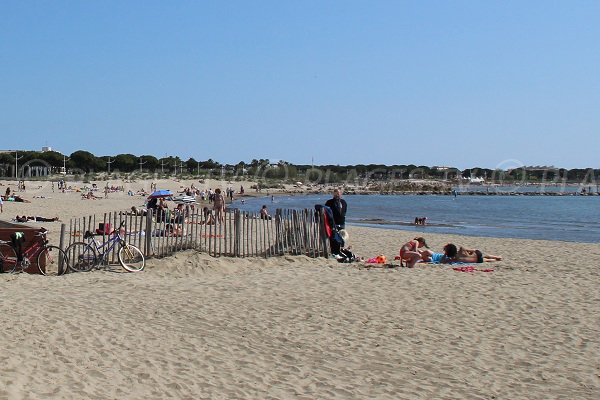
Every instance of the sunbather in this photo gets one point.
(462, 254)
(37, 218)
(433, 257)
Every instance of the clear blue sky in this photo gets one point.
(459, 83)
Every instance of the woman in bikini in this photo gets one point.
(410, 252)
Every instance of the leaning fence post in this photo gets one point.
(323, 234)
(148, 241)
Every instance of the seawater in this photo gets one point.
(566, 218)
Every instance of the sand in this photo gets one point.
(196, 327)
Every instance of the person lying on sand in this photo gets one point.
(17, 198)
(433, 257)
(89, 196)
(25, 218)
(462, 254)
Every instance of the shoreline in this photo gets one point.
(410, 187)
(46, 203)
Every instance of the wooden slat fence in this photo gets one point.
(237, 234)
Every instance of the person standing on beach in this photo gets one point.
(219, 205)
(338, 207)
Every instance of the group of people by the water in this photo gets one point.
(416, 250)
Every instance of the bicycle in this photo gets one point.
(85, 256)
(51, 260)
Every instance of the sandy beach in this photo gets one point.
(196, 327)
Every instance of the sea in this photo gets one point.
(571, 218)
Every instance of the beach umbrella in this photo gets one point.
(161, 193)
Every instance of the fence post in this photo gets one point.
(323, 234)
(278, 242)
(148, 237)
(238, 232)
(61, 244)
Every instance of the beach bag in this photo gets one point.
(336, 242)
(104, 229)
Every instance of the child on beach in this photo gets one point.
(410, 252)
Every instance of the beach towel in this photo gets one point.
(471, 268)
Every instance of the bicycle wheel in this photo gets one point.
(52, 261)
(131, 258)
(8, 258)
(82, 257)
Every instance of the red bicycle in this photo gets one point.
(51, 260)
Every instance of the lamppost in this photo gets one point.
(64, 170)
(108, 164)
(142, 163)
(17, 158)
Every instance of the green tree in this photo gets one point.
(191, 165)
(54, 158)
(125, 163)
(7, 158)
(150, 163)
(85, 161)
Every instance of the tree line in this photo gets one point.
(84, 162)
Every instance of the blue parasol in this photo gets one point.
(161, 193)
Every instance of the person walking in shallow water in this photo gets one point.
(338, 207)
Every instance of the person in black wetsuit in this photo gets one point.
(338, 207)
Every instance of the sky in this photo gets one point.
(491, 84)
